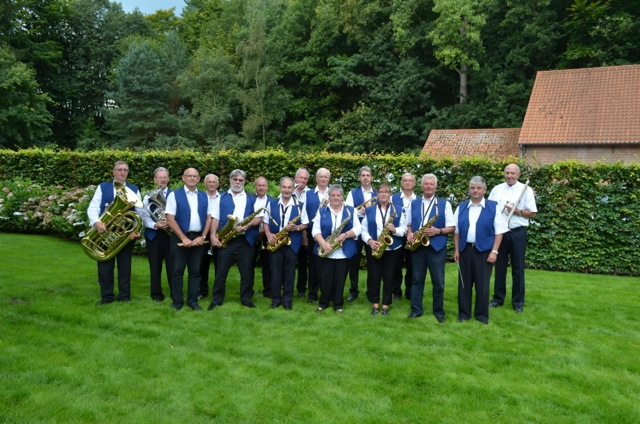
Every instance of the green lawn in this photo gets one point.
(571, 357)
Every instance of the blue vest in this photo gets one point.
(372, 227)
(107, 194)
(438, 242)
(227, 206)
(183, 211)
(485, 233)
(276, 214)
(313, 202)
(326, 227)
(358, 197)
(150, 233)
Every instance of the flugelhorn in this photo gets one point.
(120, 222)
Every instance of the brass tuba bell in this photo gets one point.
(120, 222)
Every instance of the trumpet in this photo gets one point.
(372, 200)
(514, 205)
(385, 238)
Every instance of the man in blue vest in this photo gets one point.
(401, 201)
(289, 216)
(477, 238)
(211, 183)
(103, 196)
(357, 198)
(434, 217)
(262, 255)
(156, 234)
(240, 206)
(187, 216)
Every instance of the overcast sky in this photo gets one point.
(150, 6)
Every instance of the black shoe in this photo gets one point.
(158, 299)
(202, 296)
(124, 299)
(176, 307)
(212, 306)
(414, 315)
(397, 297)
(287, 307)
(301, 295)
(274, 306)
(494, 304)
(249, 305)
(463, 319)
(385, 311)
(103, 302)
(441, 319)
(195, 307)
(352, 298)
(518, 309)
(311, 301)
(374, 311)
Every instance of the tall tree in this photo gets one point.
(24, 118)
(457, 36)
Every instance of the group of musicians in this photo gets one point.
(319, 234)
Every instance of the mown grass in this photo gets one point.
(571, 357)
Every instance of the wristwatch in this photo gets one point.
(494, 251)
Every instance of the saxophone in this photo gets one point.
(282, 237)
(384, 238)
(419, 237)
(333, 237)
(230, 229)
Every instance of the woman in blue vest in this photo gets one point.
(335, 231)
(384, 216)
(478, 234)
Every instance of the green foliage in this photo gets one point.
(588, 219)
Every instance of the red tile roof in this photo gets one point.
(584, 106)
(500, 143)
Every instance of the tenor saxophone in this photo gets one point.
(230, 229)
(333, 237)
(384, 238)
(282, 237)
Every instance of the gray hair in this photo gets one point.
(429, 176)
(283, 179)
(237, 172)
(323, 170)
(301, 170)
(364, 168)
(478, 180)
(160, 169)
(335, 187)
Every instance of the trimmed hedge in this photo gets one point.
(588, 219)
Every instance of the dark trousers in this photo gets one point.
(382, 270)
(283, 274)
(404, 260)
(303, 264)
(513, 246)
(312, 259)
(354, 266)
(474, 270)
(191, 259)
(106, 274)
(241, 251)
(332, 276)
(208, 257)
(262, 259)
(158, 252)
(428, 259)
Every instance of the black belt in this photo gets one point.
(471, 244)
(194, 233)
(522, 227)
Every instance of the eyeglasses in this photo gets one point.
(238, 179)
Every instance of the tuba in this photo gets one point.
(157, 204)
(384, 238)
(333, 237)
(120, 222)
(282, 237)
(230, 229)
